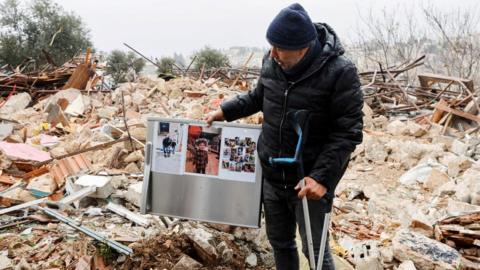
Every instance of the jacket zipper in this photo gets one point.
(284, 111)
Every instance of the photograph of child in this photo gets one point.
(168, 147)
(203, 150)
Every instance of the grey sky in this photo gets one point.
(159, 28)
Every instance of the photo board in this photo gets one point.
(202, 173)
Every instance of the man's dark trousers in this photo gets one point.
(283, 211)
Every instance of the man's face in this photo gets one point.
(287, 58)
(202, 146)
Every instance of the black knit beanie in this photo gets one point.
(291, 29)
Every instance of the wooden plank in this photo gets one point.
(438, 114)
(79, 78)
(445, 108)
(427, 79)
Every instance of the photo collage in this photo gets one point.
(227, 153)
(239, 155)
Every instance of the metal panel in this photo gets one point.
(200, 197)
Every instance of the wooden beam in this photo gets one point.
(445, 108)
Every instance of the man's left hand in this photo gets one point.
(312, 189)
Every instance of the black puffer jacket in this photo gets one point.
(330, 90)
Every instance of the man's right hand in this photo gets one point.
(215, 116)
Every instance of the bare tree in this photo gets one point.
(450, 40)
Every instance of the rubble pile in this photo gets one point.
(410, 195)
(71, 164)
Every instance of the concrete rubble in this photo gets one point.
(410, 198)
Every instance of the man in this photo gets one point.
(305, 69)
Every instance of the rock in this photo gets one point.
(435, 179)
(459, 148)
(415, 129)
(409, 153)
(407, 265)
(138, 99)
(186, 263)
(397, 128)
(5, 262)
(251, 260)
(132, 168)
(246, 234)
(42, 186)
(202, 243)
(226, 253)
(380, 122)
(18, 195)
(5, 162)
(456, 208)
(78, 106)
(427, 254)
(134, 194)
(139, 133)
(369, 264)
(386, 254)
(68, 95)
(134, 157)
(366, 255)
(467, 185)
(107, 112)
(446, 141)
(420, 173)
(5, 130)
(375, 150)
(16, 103)
(458, 165)
(120, 182)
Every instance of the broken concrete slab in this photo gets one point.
(134, 194)
(426, 253)
(42, 186)
(21, 151)
(420, 173)
(102, 183)
(77, 106)
(16, 103)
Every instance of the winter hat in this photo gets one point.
(291, 29)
